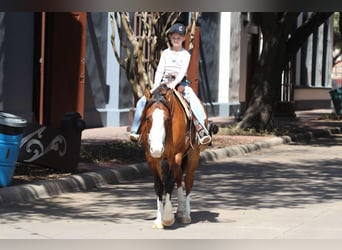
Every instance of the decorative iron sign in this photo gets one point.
(57, 148)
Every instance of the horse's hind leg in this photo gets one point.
(181, 202)
(183, 210)
(188, 181)
(186, 217)
(180, 192)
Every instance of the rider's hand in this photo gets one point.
(180, 88)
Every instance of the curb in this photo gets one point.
(77, 182)
(120, 174)
(217, 154)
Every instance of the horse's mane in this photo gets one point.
(158, 95)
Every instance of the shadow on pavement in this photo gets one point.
(237, 183)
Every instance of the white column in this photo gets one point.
(112, 77)
(224, 64)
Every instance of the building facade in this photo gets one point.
(229, 46)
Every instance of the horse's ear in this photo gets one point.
(147, 94)
(168, 94)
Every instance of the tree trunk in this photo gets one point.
(281, 41)
(265, 84)
(340, 22)
(264, 89)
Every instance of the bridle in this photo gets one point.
(158, 100)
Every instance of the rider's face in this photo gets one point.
(177, 39)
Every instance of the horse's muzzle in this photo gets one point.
(156, 152)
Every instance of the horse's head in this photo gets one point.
(156, 119)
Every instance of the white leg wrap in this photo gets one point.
(158, 221)
(181, 202)
(186, 219)
(168, 216)
(187, 206)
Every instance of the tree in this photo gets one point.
(281, 41)
(337, 37)
(143, 43)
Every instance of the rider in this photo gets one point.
(171, 71)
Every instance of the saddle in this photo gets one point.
(184, 104)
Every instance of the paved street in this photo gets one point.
(287, 191)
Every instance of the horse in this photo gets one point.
(169, 139)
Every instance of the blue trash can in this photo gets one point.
(11, 132)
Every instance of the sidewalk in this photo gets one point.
(306, 125)
(305, 120)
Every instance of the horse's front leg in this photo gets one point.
(155, 166)
(159, 189)
(168, 216)
(163, 181)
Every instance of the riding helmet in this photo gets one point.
(177, 28)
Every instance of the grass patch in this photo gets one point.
(332, 116)
(123, 152)
(233, 130)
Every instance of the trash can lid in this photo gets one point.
(11, 120)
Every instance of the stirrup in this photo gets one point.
(134, 137)
(205, 140)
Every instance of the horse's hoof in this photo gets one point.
(158, 225)
(168, 223)
(186, 220)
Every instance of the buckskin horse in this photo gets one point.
(171, 149)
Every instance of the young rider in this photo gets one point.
(171, 71)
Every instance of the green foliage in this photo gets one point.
(123, 151)
(337, 34)
(332, 116)
(233, 130)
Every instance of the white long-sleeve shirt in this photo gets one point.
(172, 62)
